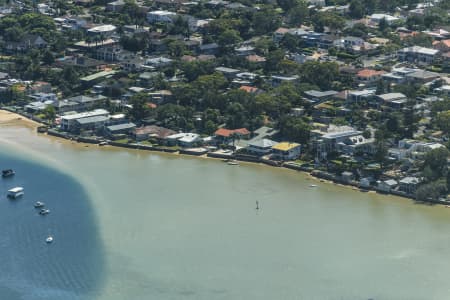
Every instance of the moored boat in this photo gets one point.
(39, 204)
(233, 163)
(8, 173)
(44, 212)
(49, 239)
(15, 192)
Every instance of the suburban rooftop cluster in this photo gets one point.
(355, 91)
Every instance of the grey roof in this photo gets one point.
(392, 96)
(319, 94)
(423, 74)
(121, 126)
(263, 143)
(93, 119)
(341, 134)
(81, 99)
(226, 70)
(390, 182)
(420, 50)
(410, 180)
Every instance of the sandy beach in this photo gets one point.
(12, 119)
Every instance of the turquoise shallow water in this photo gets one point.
(152, 226)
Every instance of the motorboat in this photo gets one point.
(44, 212)
(49, 239)
(15, 192)
(312, 185)
(39, 204)
(8, 173)
(104, 143)
(233, 163)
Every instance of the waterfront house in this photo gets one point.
(184, 139)
(357, 144)
(347, 176)
(152, 131)
(329, 142)
(409, 185)
(94, 123)
(225, 136)
(386, 186)
(72, 122)
(286, 151)
(124, 128)
(261, 146)
(365, 182)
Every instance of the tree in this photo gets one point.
(356, 9)
(49, 113)
(298, 14)
(229, 38)
(320, 74)
(266, 20)
(47, 57)
(273, 60)
(367, 134)
(431, 191)
(294, 129)
(443, 121)
(435, 164)
(381, 136)
(139, 109)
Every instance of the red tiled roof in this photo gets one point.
(228, 132)
(446, 43)
(282, 30)
(248, 89)
(369, 73)
(255, 58)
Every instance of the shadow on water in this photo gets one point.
(72, 267)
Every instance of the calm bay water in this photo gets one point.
(139, 225)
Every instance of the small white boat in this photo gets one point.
(49, 239)
(233, 163)
(104, 143)
(312, 185)
(15, 192)
(39, 204)
(44, 212)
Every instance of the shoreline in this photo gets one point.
(9, 118)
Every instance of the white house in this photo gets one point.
(184, 139)
(286, 151)
(375, 19)
(69, 121)
(386, 186)
(417, 54)
(160, 16)
(261, 147)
